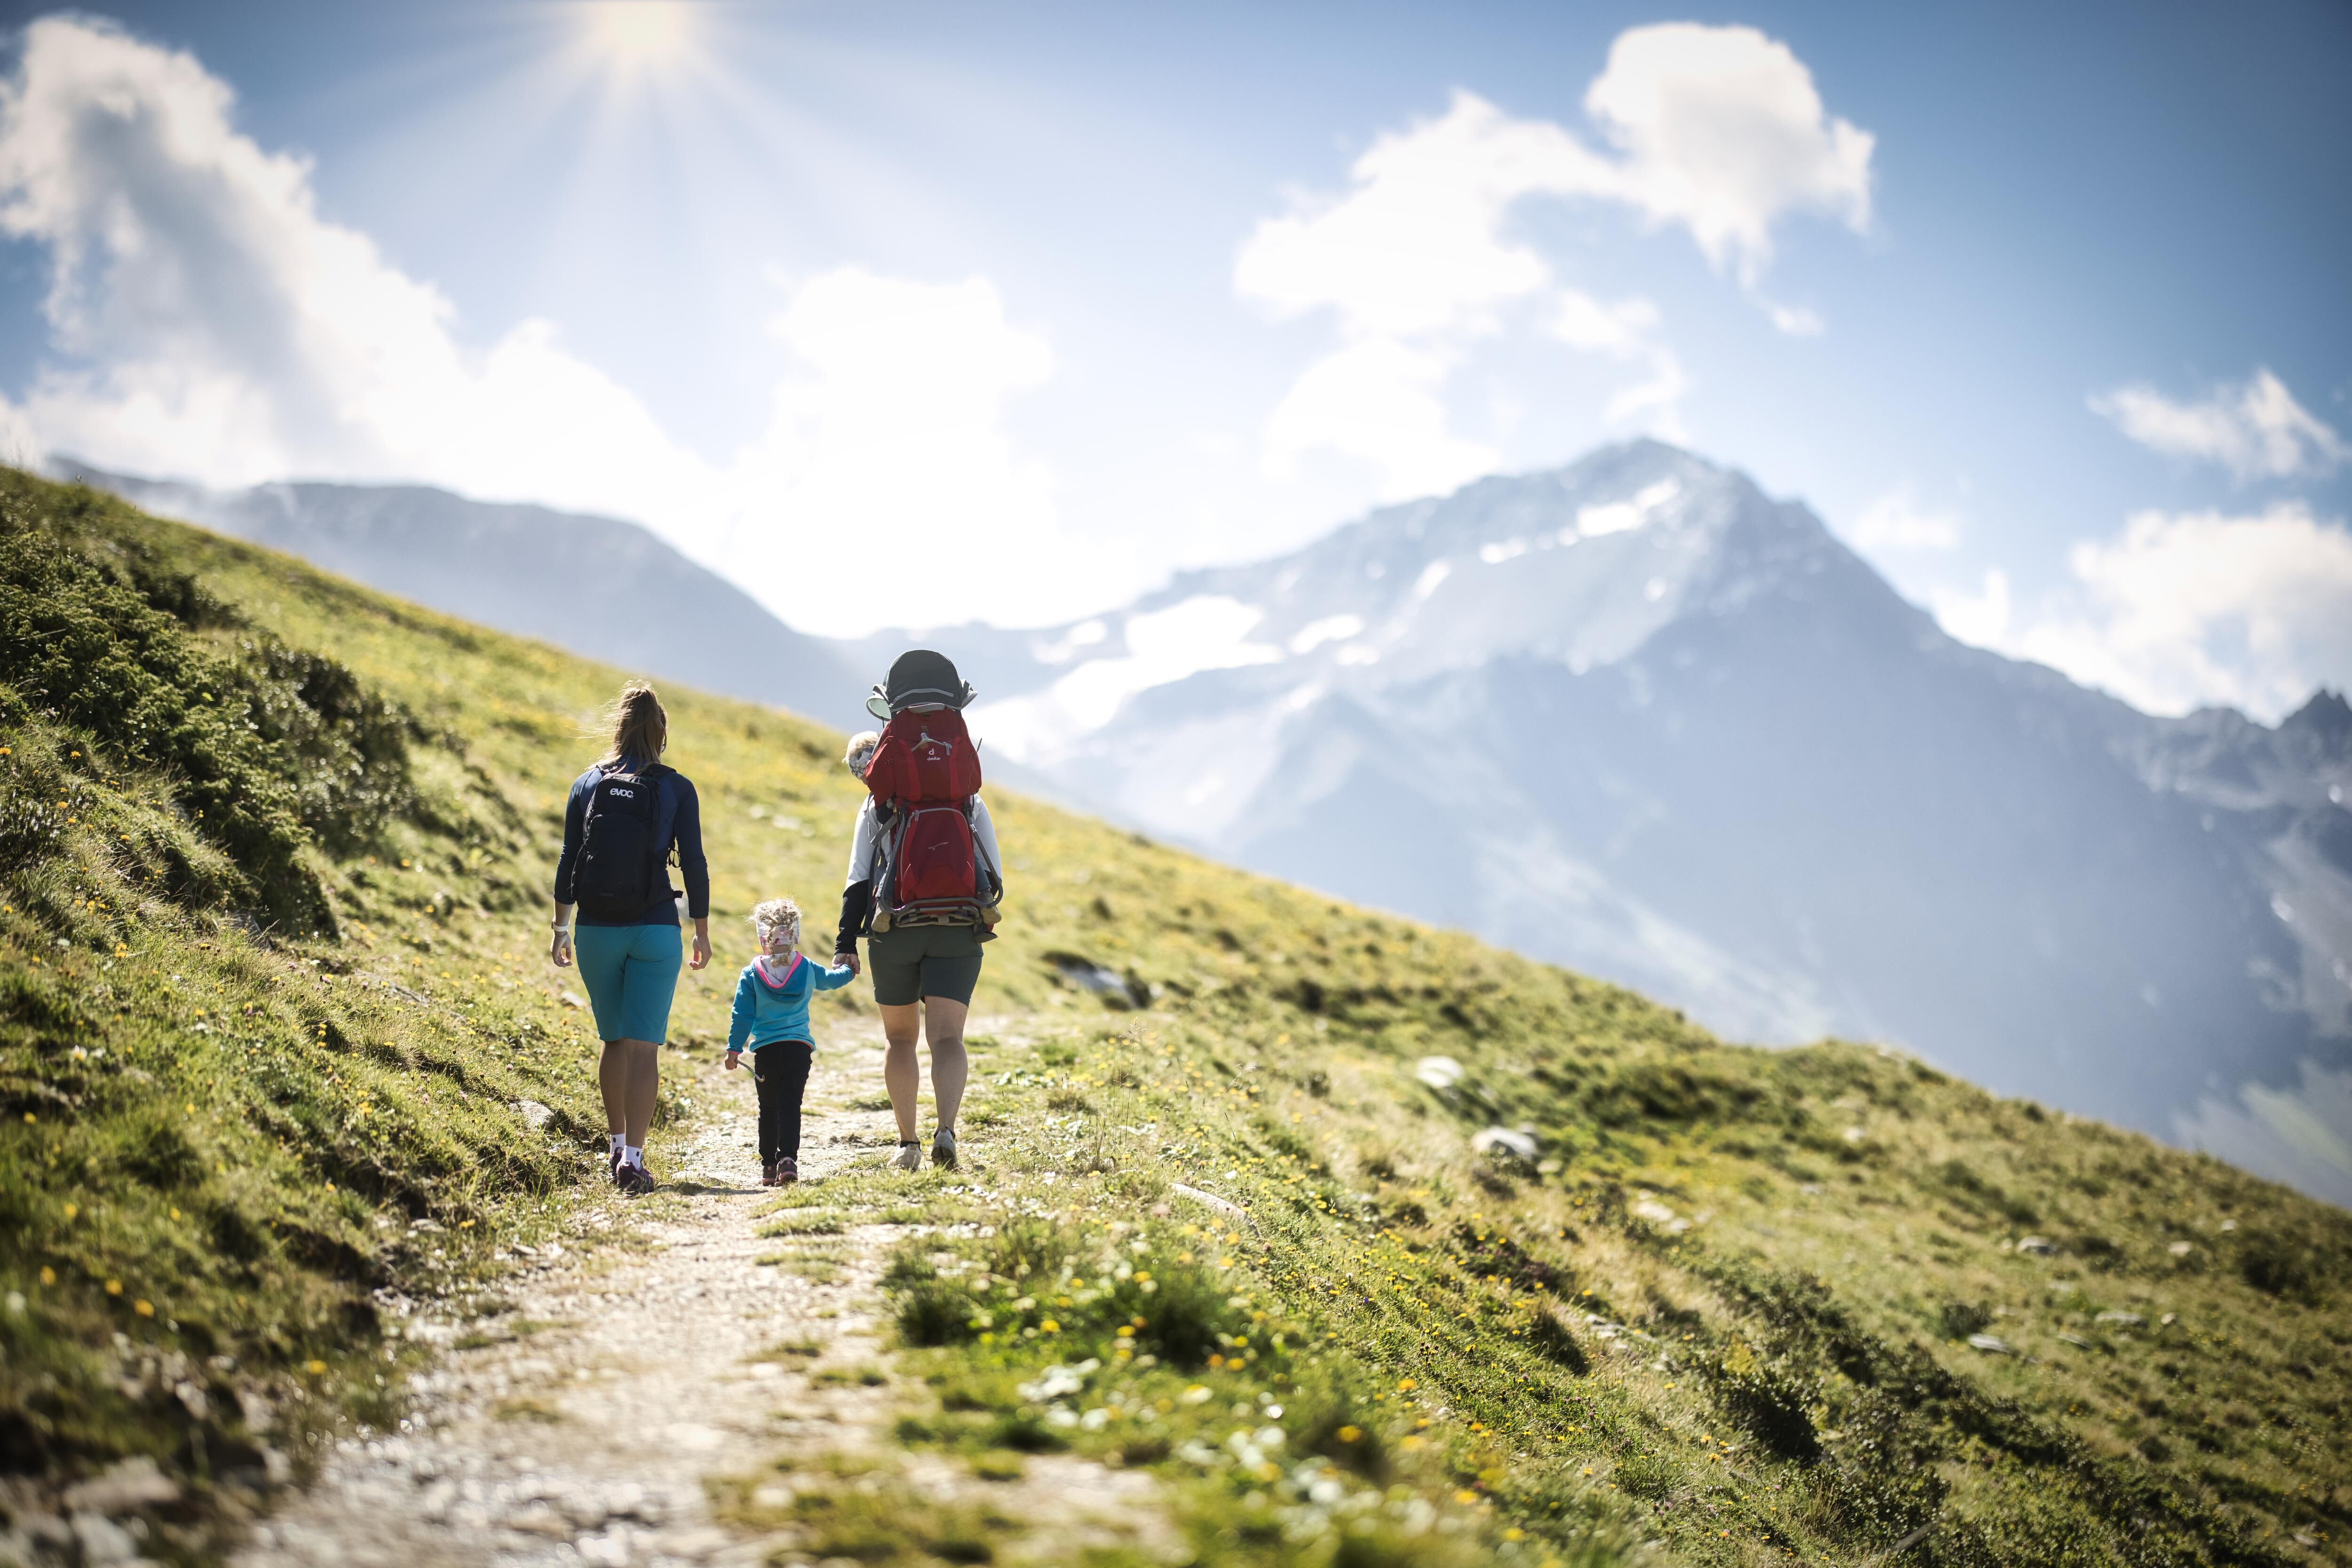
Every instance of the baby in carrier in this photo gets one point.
(772, 1022)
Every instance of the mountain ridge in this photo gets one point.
(2024, 836)
(2039, 884)
(601, 586)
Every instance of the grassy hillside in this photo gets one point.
(280, 1052)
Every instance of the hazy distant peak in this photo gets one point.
(2326, 717)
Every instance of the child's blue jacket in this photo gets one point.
(766, 1013)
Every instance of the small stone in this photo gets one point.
(2179, 1249)
(2038, 1246)
(532, 1112)
(537, 1518)
(1206, 1200)
(1503, 1140)
(2121, 1319)
(103, 1540)
(1991, 1344)
(697, 1543)
(1438, 1071)
(132, 1484)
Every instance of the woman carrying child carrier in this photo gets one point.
(925, 879)
(624, 816)
(772, 1022)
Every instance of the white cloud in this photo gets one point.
(1723, 131)
(2255, 428)
(1622, 330)
(1627, 331)
(1980, 619)
(215, 326)
(892, 427)
(2183, 610)
(1415, 245)
(1380, 402)
(1717, 130)
(1896, 521)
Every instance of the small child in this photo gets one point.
(772, 1021)
(861, 750)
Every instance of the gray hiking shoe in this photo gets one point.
(943, 1148)
(909, 1156)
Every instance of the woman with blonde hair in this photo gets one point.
(624, 817)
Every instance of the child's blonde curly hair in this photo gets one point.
(778, 915)
(862, 748)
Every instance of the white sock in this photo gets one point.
(617, 1140)
(634, 1155)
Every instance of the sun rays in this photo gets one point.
(638, 37)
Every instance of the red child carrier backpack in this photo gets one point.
(923, 777)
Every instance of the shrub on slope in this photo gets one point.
(225, 1146)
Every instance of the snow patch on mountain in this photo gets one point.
(1206, 632)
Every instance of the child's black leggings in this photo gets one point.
(781, 1067)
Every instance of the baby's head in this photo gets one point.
(862, 746)
(778, 922)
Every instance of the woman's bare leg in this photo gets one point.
(645, 1084)
(943, 1023)
(902, 1077)
(613, 1078)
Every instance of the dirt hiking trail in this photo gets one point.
(670, 1398)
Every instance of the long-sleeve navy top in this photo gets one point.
(678, 824)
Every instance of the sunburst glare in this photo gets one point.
(634, 33)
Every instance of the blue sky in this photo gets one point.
(2042, 307)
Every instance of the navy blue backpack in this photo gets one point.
(620, 874)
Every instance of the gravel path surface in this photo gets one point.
(629, 1376)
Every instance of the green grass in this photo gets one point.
(1725, 1309)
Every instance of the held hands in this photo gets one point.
(849, 958)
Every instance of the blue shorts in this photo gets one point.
(631, 973)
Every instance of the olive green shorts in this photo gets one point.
(918, 961)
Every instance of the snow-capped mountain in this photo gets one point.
(1632, 716)
(1635, 717)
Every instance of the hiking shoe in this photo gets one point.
(767, 1175)
(634, 1180)
(909, 1156)
(943, 1148)
(787, 1172)
(613, 1164)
